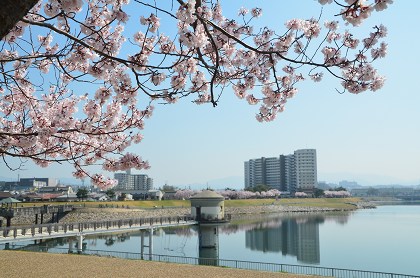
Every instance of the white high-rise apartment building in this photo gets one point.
(125, 181)
(142, 182)
(289, 173)
(306, 169)
(294, 172)
(128, 181)
(262, 171)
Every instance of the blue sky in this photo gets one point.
(372, 138)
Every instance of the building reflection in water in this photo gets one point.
(290, 237)
(208, 244)
(296, 236)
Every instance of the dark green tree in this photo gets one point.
(110, 193)
(318, 192)
(122, 197)
(167, 188)
(259, 188)
(82, 193)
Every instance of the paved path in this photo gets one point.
(63, 265)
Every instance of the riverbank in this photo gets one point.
(32, 264)
(95, 214)
(234, 208)
(338, 203)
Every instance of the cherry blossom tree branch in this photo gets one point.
(73, 90)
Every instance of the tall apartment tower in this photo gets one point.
(262, 171)
(142, 182)
(293, 172)
(125, 180)
(306, 169)
(289, 173)
(128, 181)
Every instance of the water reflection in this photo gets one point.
(376, 247)
(290, 238)
(208, 244)
(296, 236)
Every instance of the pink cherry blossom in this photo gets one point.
(336, 194)
(301, 195)
(77, 86)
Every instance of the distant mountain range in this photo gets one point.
(366, 179)
(396, 186)
(233, 182)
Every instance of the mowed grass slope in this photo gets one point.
(339, 203)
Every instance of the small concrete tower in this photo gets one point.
(208, 206)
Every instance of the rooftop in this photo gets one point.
(207, 194)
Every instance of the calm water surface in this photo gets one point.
(385, 239)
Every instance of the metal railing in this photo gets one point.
(40, 229)
(14, 211)
(260, 266)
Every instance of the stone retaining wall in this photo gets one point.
(101, 214)
(28, 219)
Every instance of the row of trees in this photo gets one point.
(336, 194)
(83, 193)
(184, 194)
(231, 194)
(271, 193)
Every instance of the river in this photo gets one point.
(385, 239)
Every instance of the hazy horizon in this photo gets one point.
(237, 182)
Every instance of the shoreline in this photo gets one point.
(101, 214)
(93, 214)
(87, 214)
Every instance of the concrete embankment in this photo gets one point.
(93, 214)
(100, 214)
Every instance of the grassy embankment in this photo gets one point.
(339, 203)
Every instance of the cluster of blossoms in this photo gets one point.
(301, 195)
(245, 194)
(336, 194)
(231, 194)
(185, 194)
(47, 116)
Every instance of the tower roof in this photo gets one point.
(207, 194)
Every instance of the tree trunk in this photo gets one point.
(11, 11)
